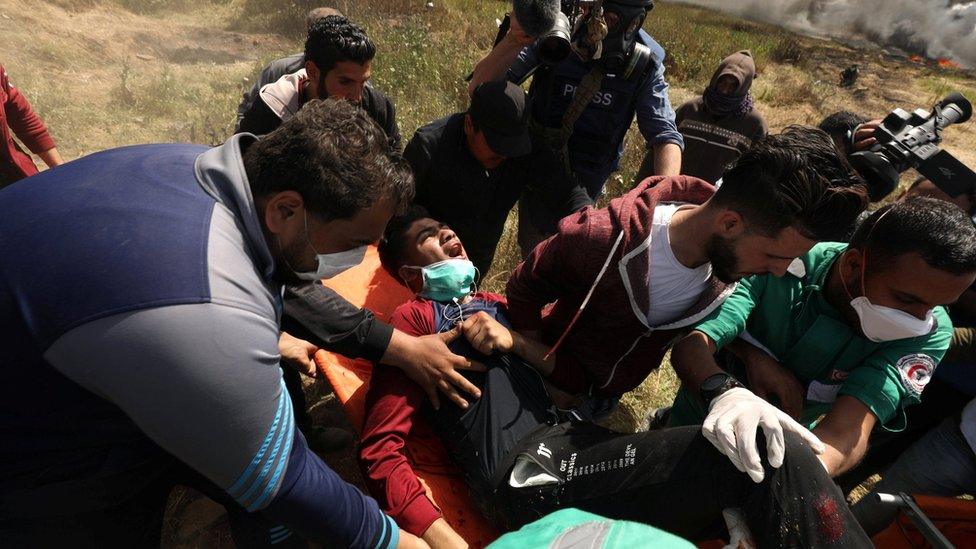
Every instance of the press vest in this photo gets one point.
(597, 139)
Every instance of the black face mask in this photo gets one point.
(622, 36)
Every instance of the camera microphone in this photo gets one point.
(955, 108)
(545, 20)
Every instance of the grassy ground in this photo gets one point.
(106, 73)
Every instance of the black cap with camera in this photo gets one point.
(911, 140)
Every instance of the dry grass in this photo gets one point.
(105, 73)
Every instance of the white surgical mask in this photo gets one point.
(330, 265)
(880, 323)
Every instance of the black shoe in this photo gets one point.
(325, 440)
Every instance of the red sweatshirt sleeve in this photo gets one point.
(553, 269)
(391, 403)
(22, 119)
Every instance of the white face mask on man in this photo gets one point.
(880, 323)
(330, 265)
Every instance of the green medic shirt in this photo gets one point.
(790, 316)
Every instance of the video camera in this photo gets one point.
(554, 22)
(551, 21)
(910, 140)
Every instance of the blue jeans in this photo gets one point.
(941, 463)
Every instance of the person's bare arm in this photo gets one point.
(440, 535)
(768, 379)
(845, 432)
(51, 157)
(298, 353)
(963, 346)
(667, 159)
(693, 359)
(410, 541)
(494, 65)
(735, 416)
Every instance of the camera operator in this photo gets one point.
(851, 133)
(583, 105)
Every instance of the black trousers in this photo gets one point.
(673, 479)
(676, 480)
(137, 521)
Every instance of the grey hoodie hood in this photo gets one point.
(220, 172)
(284, 97)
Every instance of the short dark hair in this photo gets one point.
(333, 39)
(794, 179)
(393, 246)
(535, 16)
(939, 231)
(334, 155)
(838, 124)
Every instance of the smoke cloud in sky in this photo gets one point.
(935, 28)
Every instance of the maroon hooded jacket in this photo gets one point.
(610, 348)
(16, 114)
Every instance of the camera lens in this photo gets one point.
(553, 45)
(553, 49)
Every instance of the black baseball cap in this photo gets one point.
(500, 110)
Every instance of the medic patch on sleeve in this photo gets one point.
(915, 371)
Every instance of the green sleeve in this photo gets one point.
(893, 377)
(729, 320)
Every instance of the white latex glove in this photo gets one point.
(731, 424)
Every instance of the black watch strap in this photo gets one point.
(716, 384)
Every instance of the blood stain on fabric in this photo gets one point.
(831, 525)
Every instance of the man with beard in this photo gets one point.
(337, 63)
(280, 67)
(628, 279)
(140, 296)
(843, 343)
(524, 456)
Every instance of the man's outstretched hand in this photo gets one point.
(298, 353)
(733, 420)
(430, 364)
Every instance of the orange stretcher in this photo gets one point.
(954, 517)
(369, 285)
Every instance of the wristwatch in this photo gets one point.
(716, 384)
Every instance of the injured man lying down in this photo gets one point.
(524, 453)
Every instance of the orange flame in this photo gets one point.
(948, 64)
(915, 58)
